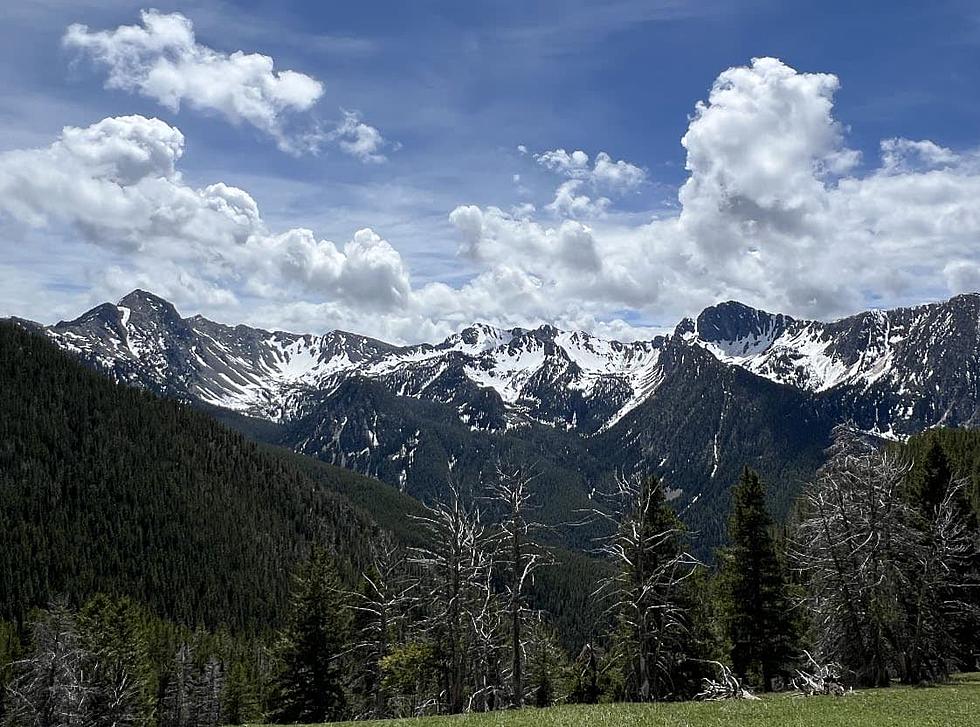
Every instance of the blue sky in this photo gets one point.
(454, 89)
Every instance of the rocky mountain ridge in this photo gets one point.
(734, 386)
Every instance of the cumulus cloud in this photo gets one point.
(358, 139)
(117, 184)
(580, 195)
(574, 165)
(570, 202)
(903, 155)
(162, 60)
(601, 173)
(494, 236)
(618, 174)
(775, 211)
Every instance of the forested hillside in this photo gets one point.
(106, 488)
(962, 449)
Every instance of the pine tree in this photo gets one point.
(548, 670)
(927, 491)
(122, 677)
(241, 704)
(942, 505)
(310, 685)
(758, 621)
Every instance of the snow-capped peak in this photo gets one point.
(896, 369)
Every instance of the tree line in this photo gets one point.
(874, 578)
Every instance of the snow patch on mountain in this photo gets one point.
(895, 371)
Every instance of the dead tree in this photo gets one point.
(520, 556)
(851, 545)
(456, 568)
(726, 686)
(207, 687)
(876, 571)
(819, 679)
(486, 621)
(51, 686)
(382, 608)
(645, 593)
(177, 708)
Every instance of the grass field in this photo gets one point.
(952, 705)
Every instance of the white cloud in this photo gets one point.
(575, 165)
(619, 174)
(117, 184)
(572, 199)
(162, 60)
(775, 211)
(603, 173)
(570, 202)
(903, 155)
(493, 236)
(359, 139)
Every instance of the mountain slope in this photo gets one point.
(893, 372)
(734, 386)
(108, 488)
(495, 378)
(707, 420)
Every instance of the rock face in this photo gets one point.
(497, 379)
(893, 372)
(735, 386)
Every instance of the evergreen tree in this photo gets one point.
(758, 621)
(122, 679)
(548, 670)
(241, 703)
(311, 682)
(926, 492)
(105, 488)
(410, 675)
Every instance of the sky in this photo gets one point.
(403, 170)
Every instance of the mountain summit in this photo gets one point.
(734, 386)
(893, 372)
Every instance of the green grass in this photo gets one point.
(951, 705)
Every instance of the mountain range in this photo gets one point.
(734, 386)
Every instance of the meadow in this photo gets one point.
(956, 704)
